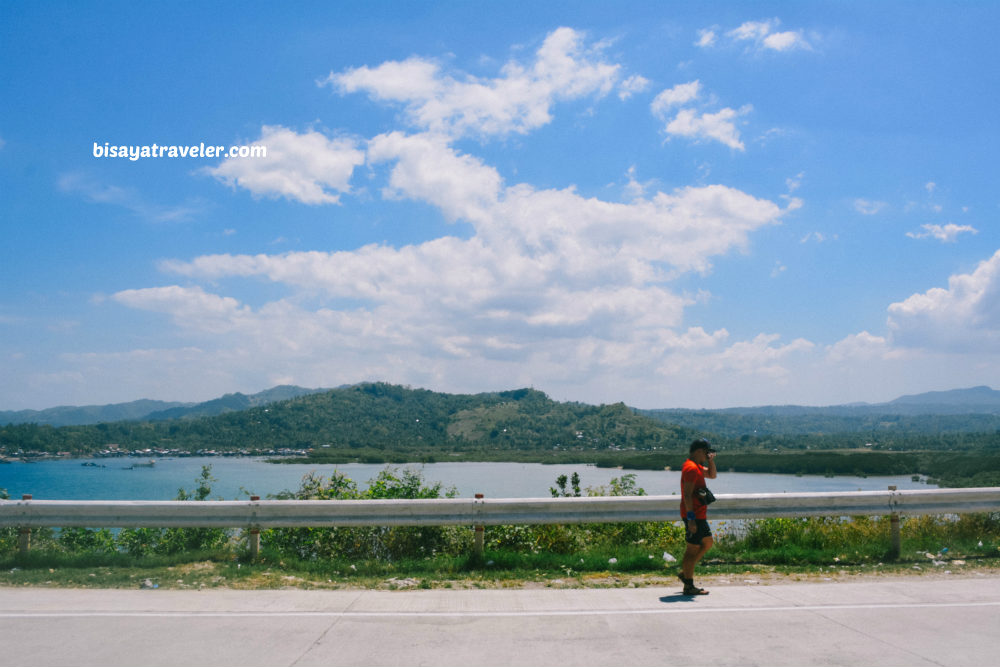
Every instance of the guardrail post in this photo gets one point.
(477, 547)
(24, 534)
(896, 545)
(254, 536)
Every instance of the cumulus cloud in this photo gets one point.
(427, 168)
(693, 124)
(719, 126)
(516, 102)
(679, 95)
(861, 346)
(944, 233)
(764, 35)
(762, 357)
(525, 239)
(309, 167)
(629, 87)
(190, 307)
(965, 316)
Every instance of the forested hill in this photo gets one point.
(377, 417)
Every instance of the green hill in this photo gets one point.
(379, 421)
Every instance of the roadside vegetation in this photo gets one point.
(404, 557)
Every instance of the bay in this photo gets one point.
(238, 478)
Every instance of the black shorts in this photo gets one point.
(701, 533)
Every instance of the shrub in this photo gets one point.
(363, 543)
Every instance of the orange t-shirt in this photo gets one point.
(694, 473)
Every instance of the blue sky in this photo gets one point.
(667, 204)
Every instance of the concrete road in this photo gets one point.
(905, 621)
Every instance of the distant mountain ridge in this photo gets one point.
(152, 410)
(981, 400)
(975, 399)
(71, 415)
(232, 403)
(976, 409)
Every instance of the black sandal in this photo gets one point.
(694, 590)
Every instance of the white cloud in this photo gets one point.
(629, 87)
(944, 233)
(518, 101)
(309, 168)
(706, 38)
(795, 182)
(763, 35)
(679, 95)
(862, 346)
(718, 126)
(868, 207)
(785, 41)
(427, 168)
(690, 123)
(964, 317)
(762, 357)
(818, 237)
(190, 307)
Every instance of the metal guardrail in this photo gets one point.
(30, 513)
(255, 515)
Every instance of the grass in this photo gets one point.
(216, 573)
(631, 565)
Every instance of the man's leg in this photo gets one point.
(692, 555)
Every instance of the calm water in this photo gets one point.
(239, 477)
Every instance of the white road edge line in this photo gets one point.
(484, 614)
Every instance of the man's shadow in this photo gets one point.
(679, 597)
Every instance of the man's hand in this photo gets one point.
(692, 526)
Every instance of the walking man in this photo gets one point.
(694, 511)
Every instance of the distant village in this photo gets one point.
(114, 451)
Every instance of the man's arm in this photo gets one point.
(711, 472)
(687, 491)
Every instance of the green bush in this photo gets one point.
(363, 543)
(145, 541)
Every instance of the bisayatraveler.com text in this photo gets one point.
(192, 150)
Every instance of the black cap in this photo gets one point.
(701, 444)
